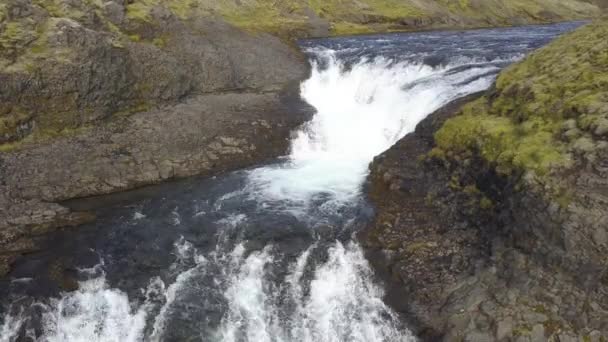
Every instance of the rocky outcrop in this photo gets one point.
(204, 135)
(492, 225)
(102, 97)
(78, 70)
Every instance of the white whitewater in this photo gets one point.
(361, 111)
(344, 304)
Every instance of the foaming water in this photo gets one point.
(93, 313)
(362, 110)
(267, 255)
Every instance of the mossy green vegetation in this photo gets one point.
(507, 143)
(267, 16)
(364, 16)
(14, 36)
(42, 136)
(344, 10)
(545, 111)
(140, 9)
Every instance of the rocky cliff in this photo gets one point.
(493, 225)
(98, 97)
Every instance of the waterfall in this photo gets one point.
(282, 265)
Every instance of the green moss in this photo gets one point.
(522, 330)
(15, 36)
(394, 9)
(436, 153)
(564, 198)
(429, 199)
(184, 8)
(344, 10)
(266, 16)
(10, 122)
(67, 9)
(12, 146)
(42, 136)
(416, 247)
(520, 126)
(346, 16)
(486, 203)
(471, 190)
(40, 46)
(54, 126)
(3, 12)
(135, 38)
(140, 10)
(346, 28)
(540, 309)
(160, 42)
(53, 8)
(500, 140)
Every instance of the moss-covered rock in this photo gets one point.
(67, 65)
(544, 111)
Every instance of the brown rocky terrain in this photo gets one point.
(93, 101)
(492, 225)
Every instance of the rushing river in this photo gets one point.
(265, 254)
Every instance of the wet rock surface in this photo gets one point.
(204, 135)
(473, 255)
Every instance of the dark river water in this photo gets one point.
(268, 253)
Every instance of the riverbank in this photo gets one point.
(490, 217)
(96, 100)
(99, 98)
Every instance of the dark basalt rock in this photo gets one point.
(105, 103)
(475, 256)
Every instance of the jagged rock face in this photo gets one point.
(96, 99)
(208, 133)
(520, 269)
(202, 136)
(80, 68)
(488, 240)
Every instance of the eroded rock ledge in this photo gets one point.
(108, 96)
(493, 225)
(205, 135)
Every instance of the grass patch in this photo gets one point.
(520, 125)
(16, 35)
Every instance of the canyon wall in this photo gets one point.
(492, 221)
